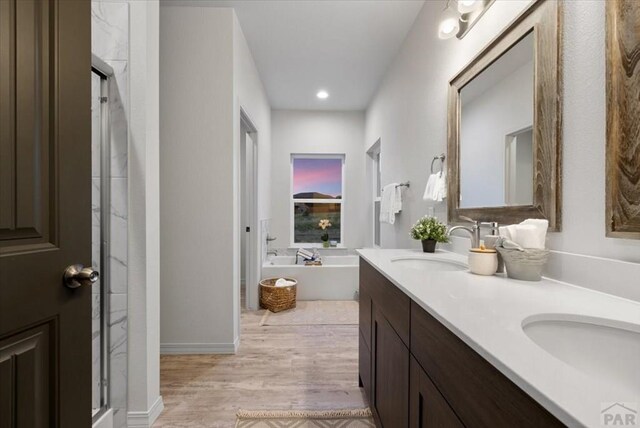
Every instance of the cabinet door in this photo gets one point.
(427, 407)
(364, 364)
(365, 316)
(390, 374)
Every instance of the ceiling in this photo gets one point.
(341, 46)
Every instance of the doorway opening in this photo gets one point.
(519, 168)
(249, 254)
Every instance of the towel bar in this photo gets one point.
(441, 158)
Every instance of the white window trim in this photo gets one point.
(341, 201)
(373, 152)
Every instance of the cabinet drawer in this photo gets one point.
(394, 304)
(479, 393)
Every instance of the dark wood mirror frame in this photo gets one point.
(544, 18)
(623, 110)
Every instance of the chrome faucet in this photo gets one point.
(474, 230)
(272, 252)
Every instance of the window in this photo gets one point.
(374, 154)
(317, 194)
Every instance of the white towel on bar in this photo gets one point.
(391, 203)
(441, 187)
(397, 200)
(436, 189)
(429, 190)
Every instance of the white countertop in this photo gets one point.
(487, 313)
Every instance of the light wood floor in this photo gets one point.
(282, 367)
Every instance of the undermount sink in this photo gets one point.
(604, 349)
(430, 264)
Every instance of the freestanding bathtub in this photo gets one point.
(336, 279)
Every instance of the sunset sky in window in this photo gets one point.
(317, 175)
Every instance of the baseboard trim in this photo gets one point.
(105, 421)
(199, 348)
(145, 419)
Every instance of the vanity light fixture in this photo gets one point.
(468, 6)
(459, 16)
(449, 23)
(322, 94)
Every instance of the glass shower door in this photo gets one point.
(100, 202)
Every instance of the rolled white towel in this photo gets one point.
(529, 236)
(531, 233)
(508, 244)
(510, 232)
(504, 232)
(538, 237)
(281, 282)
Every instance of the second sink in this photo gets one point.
(604, 349)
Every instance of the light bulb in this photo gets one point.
(449, 24)
(322, 94)
(468, 6)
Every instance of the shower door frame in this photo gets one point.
(105, 72)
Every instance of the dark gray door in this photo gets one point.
(45, 212)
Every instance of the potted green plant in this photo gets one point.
(324, 225)
(430, 231)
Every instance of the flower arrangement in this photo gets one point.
(324, 225)
(429, 230)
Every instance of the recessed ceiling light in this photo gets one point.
(323, 95)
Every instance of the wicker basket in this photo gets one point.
(277, 299)
(524, 265)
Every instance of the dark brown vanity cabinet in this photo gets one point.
(390, 373)
(384, 348)
(416, 373)
(427, 408)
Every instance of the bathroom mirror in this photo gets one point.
(496, 132)
(504, 142)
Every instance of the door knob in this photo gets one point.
(77, 275)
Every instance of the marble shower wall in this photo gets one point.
(110, 42)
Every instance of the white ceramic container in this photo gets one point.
(483, 262)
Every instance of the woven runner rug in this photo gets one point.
(355, 418)
(315, 312)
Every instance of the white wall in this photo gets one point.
(327, 132)
(144, 401)
(251, 97)
(207, 75)
(487, 119)
(196, 182)
(409, 113)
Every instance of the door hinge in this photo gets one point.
(103, 99)
(247, 229)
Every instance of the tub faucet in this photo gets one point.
(272, 252)
(474, 230)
